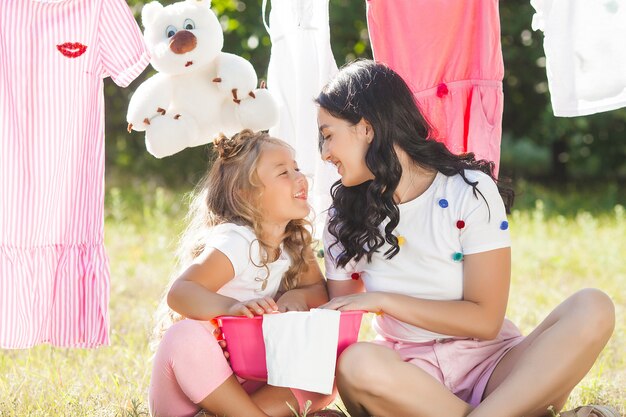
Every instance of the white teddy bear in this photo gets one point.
(199, 90)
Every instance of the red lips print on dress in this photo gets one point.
(72, 49)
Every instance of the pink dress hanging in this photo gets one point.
(54, 273)
(449, 53)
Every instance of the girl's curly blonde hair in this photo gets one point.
(228, 194)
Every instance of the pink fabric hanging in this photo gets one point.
(449, 53)
(54, 274)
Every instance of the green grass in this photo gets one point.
(554, 255)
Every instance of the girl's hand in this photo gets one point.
(369, 301)
(292, 301)
(222, 344)
(250, 308)
(219, 336)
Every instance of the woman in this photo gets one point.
(420, 237)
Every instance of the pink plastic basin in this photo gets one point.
(245, 345)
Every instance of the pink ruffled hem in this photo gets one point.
(56, 294)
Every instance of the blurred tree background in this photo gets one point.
(535, 146)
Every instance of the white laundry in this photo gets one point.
(301, 63)
(301, 349)
(585, 53)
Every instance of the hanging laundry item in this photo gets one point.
(449, 53)
(54, 273)
(301, 63)
(585, 54)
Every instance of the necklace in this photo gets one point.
(407, 188)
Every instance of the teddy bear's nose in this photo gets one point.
(183, 41)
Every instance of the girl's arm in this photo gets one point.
(194, 293)
(311, 290)
(479, 315)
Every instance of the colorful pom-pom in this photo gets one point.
(443, 203)
(504, 225)
(457, 256)
(460, 224)
(442, 90)
(320, 253)
(355, 276)
(401, 240)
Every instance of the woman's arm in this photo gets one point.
(479, 315)
(194, 293)
(311, 290)
(339, 288)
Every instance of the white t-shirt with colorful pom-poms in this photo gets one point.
(436, 230)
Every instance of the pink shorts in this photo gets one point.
(464, 366)
(190, 364)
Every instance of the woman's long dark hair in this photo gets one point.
(372, 91)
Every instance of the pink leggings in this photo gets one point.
(189, 365)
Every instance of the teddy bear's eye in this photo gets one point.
(189, 24)
(170, 31)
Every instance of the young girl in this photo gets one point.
(247, 251)
(420, 237)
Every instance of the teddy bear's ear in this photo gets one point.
(206, 3)
(149, 12)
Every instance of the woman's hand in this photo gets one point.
(369, 301)
(253, 307)
(292, 300)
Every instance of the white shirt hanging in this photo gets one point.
(584, 43)
(301, 63)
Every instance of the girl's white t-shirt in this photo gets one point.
(440, 226)
(241, 247)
